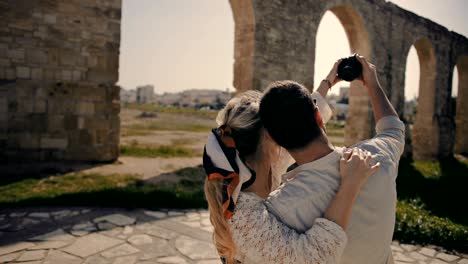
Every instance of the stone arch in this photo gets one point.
(244, 44)
(359, 120)
(461, 121)
(424, 135)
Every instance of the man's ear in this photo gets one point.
(318, 118)
(268, 135)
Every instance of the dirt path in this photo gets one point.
(146, 168)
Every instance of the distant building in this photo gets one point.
(410, 110)
(339, 111)
(343, 97)
(127, 96)
(145, 94)
(195, 98)
(168, 99)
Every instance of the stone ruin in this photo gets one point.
(59, 65)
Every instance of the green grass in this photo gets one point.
(207, 114)
(106, 190)
(335, 125)
(335, 133)
(158, 151)
(129, 132)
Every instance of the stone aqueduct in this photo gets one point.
(59, 65)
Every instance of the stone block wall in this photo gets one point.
(58, 69)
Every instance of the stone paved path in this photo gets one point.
(119, 236)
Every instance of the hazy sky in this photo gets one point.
(182, 44)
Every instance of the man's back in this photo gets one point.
(306, 197)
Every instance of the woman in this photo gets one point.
(238, 160)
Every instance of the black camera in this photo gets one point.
(349, 69)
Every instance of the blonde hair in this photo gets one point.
(241, 114)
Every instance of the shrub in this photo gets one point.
(416, 224)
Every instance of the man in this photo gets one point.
(291, 118)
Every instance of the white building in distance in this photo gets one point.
(195, 98)
(127, 96)
(145, 94)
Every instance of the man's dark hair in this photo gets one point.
(287, 112)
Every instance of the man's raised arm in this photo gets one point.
(380, 103)
(390, 138)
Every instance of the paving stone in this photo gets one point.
(18, 214)
(105, 226)
(85, 211)
(396, 248)
(156, 214)
(30, 262)
(5, 226)
(447, 257)
(408, 247)
(175, 213)
(125, 260)
(140, 240)
(159, 248)
(116, 219)
(127, 230)
(122, 250)
(55, 257)
(14, 247)
(204, 213)
(9, 257)
(205, 222)
(114, 232)
(172, 260)
(86, 225)
(403, 258)
(32, 255)
(463, 261)
(195, 249)
(208, 228)
(157, 231)
(427, 251)
(91, 244)
(417, 256)
(57, 235)
(61, 214)
(24, 224)
(96, 260)
(194, 224)
(39, 215)
(210, 261)
(83, 229)
(437, 261)
(192, 215)
(50, 245)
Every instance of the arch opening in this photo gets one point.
(351, 105)
(420, 101)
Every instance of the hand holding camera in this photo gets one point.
(356, 67)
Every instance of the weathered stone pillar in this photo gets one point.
(244, 44)
(58, 69)
(461, 140)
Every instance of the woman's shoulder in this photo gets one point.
(248, 199)
(247, 205)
